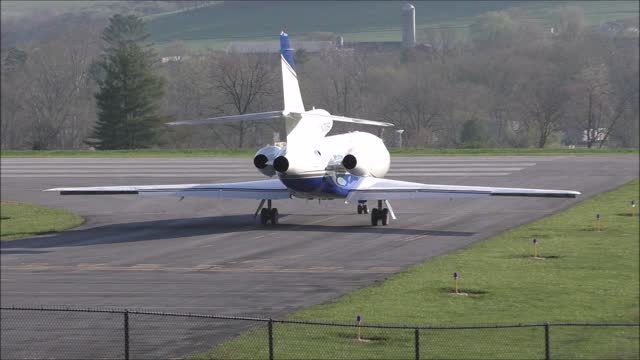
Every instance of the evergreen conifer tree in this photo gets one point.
(129, 95)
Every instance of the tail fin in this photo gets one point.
(290, 87)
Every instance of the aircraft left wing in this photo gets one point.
(386, 189)
(262, 189)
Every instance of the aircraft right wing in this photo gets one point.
(386, 189)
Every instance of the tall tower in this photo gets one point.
(408, 25)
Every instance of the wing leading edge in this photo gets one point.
(262, 189)
(386, 189)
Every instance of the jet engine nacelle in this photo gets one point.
(263, 161)
(372, 160)
(304, 161)
(294, 165)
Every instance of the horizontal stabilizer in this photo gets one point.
(344, 119)
(270, 115)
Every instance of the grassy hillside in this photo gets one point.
(250, 19)
(26, 8)
(19, 9)
(218, 24)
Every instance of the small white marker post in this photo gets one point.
(633, 208)
(455, 282)
(455, 285)
(535, 250)
(598, 225)
(358, 320)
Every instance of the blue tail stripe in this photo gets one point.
(285, 50)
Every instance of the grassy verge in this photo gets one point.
(511, 151)
(251, 152)
(586, 276)
(19, 220)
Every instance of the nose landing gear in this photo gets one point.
(362, 207)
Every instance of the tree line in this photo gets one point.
(510, 81)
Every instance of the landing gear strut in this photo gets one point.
(267, 214)
(379, 214)
(362, 207)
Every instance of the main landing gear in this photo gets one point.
(379, 215)
(267, 214)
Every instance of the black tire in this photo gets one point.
(359, 209)
(374, 217)
(365, 209)
(384, 217)
(264, 216)
(274, 216)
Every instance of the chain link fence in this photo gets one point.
(72, 333)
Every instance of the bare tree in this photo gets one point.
(58, 96)
(543, 97)
(418, 103)
(13, 126)
(592, 96)
(241, 79)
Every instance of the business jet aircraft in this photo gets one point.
(312, 165)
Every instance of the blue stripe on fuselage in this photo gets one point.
(285, 50)
(322, 186)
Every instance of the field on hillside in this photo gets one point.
(26, 8)
(216, 25)
(219, 24)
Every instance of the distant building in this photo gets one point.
(597, 134)
(408, 25)
(618, 27)
(167, 59)
(272, 47)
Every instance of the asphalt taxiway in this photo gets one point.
(211, 256)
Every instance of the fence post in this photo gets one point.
(126, 334)
(270, 331)
(417, 337)
(547, 356)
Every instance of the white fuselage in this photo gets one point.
(325, 167)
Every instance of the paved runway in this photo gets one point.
(210, 256)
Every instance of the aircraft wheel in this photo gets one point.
(374, 217)
(365, 209)
(264, 216)
(274, 216)
(384, 217)
(359, 209)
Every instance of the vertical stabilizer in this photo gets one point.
(290, 87)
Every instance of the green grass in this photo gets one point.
(19, 220)
(511, 151)
(251, 152)
(222, 23)
(355, 20)
(587, 276)
(25, 8)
